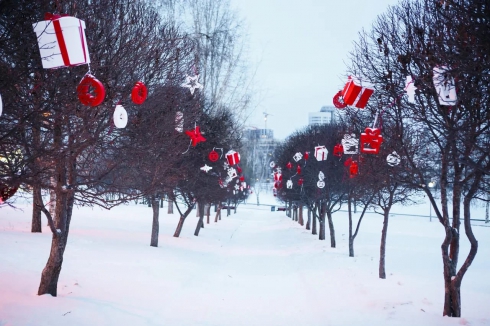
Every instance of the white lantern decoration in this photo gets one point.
(393, 159)
(350, 144)
(289, 184)
(321, 176)
(410, 89)
(62, 41)
(298, 156)
(320, 184)
(1, 105)
(120, 117)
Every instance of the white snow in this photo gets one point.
(255, 267)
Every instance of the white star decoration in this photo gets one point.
(192, 83)
(206, 168)
(237, 187)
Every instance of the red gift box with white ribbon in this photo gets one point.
(373, 138)
(61, 41)
(233, 158)
(357, 93)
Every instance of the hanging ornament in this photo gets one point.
(289, 184)
(277, 176)
(300, 181)
(226, 165)
(242, 178)
(279, 169)
(195, 136)
(321, 176)
(213, 156)
(244, 184)
(61, 41)
(338, 101)
(393, 159)
(350, 144)
(445, 86)
(321, 153)
(298, 169)
(272, 164)
(206, 168)
(320, 184)
(83, 90)
(236, 188)
(179, 121)
(338, 150)
(357, 93)
(289, 166)
(239, 169)
(298, 156)
(233, 157)
(1, 105)
(192, 83)
(353, 169)
(410, 89)
(139, 93)
(306, 156)
(221, 183)
(371, 137)
(232, 173)
(348, 161)
(120, 117)
(6, 192)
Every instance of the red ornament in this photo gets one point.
(348, 162)
(277, 176)
(356, 93)
(338, 150)
(353, 169)
(239, 169)
(233, 157)
(371, 137)
(289, 166)
(139, 93)
(298, 169)
(306, 156)
(195, 135)
(83, 90)
(242, 178)
(338, 101)
(300, 181)
(213, 156)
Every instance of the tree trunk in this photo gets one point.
(382, 247)
(207, 207)
(200, 223)
(331, 228)
(301, 221)
(161, 202)
(218, 212)
(181, 221)
(155, 228)
(321, 214)
(197, 209)
(170, 209)
(37, 202)
(228, 210)
(351, 238)
(313, 220)
(52, 199)
(309, 219)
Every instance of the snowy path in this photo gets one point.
(255, 267)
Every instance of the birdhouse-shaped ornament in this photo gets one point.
(289, 184)
(298, 156)
(350, 144)
(338, 150)
(357, 93)
(445, 86)
(61, 41)
(353, 169)
(321, 153)
(371, 137)
(232, 173)
(233, 157)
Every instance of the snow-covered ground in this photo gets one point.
(255, 267)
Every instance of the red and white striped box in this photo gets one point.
(357, 93)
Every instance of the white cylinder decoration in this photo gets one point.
(1, 105)
(120, 117)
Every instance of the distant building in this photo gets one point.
(255, 134)
(326, 115)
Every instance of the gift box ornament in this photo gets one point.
(298, 156)
(61, 41)
(372, 138)
(277, 176)
(350, 144)
(445, 86)
(357, 93)
(338, 150)
(233, 157)
(321, 153)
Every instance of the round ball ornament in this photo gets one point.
(272, 164)
(120, 117)
(320, 184)
(393, 159)
(213, 156)
(139, 93)
(338, 101)
(84, 94)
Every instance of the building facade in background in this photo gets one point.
(326, 115)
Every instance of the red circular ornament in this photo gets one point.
(83, 90)
(139, 93)
(213, 156)
(242, 178)
(338, 101)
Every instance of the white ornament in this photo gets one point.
(179, 121)
(206, 168)
(237, 187)
(445, 86)
(321, 153)
(1, 105)
(120, 117)
(279, 169)
(350, 144)
(298, 156)
(272, 164)
(410, 89)
(226, 165)
(393, 159)
(232, 173)
(321, 176)
(289, 184)
(192, 83)
(320, 184)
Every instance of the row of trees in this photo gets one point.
(48, 140)
(437, 141)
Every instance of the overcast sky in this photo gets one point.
(301, 47)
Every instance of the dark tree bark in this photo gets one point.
(208, 212)
(301, 221)
(313, 220)
(321, 214)
(37, 202)
(309, 219)
(170, 209)
(331, 229)
(351, 238)
(218, 214)
(200, 223)
(155, 228)
(382, 247)
(181, 221)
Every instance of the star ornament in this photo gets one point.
(196, 136)
(192, 83)
(206, 168)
